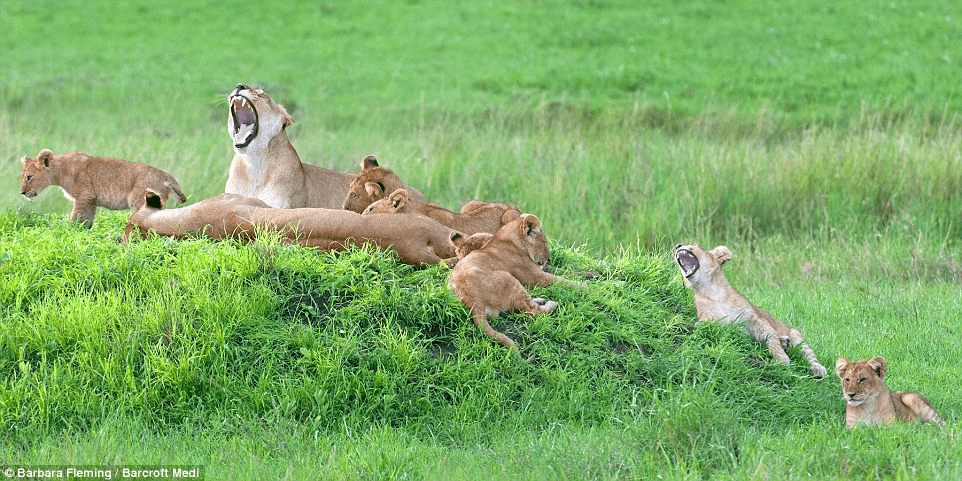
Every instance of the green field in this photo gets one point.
(821, 143)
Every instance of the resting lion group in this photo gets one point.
(496, 251)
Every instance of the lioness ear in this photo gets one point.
(398, 198)
(45, 156)
(288, 120)
(456, 237)
(368, 162)
(841, 365)
(374, 189)
(878, 365)
(153, 199)
(722, 253)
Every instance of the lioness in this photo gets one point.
(265, 164)
(492, 278)
(417, 240)
(221, 217)
(716, 299)
(372, 183)
(868, 401)
(95, 181)
(487, 217)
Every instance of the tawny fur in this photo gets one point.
(481, 218)
(372, 183)
(715, 298)
(492, 278)
(415, 239)
(868, 401)
(95, 181)
(266, 166)
(226, 216)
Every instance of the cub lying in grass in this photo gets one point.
(372, 183)
(868, 401)
(492, 278)
(715, 298)
(482, 217)
(95, 181)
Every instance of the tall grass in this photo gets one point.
(819, 142)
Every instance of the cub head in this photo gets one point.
(370, 185)
(698, 265)
(254, 117)
(861, 380)
(36, 173)
(525, 232)
(391, 204)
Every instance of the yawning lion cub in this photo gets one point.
(716, 299)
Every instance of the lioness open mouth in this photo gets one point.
(687, 261)
(244, 117)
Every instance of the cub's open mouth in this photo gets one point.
(687, 261)
(243, 121)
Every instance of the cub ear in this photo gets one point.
(25, 160)
(153, 199)
(374, 189)
(841, 365)
(45, 156)
(529, 223)
(398, 198)
(368, 162)
(878, 365)
(722, 253)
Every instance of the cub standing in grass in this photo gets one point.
(715, 298)
(95, 181)
(492, 278)
(868, 401)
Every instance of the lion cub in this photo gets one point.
(482, 217)
(493, 274)
(95, 181)
(716, 299)
(868, 400)
(373, 182)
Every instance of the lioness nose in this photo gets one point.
(677, 246)
(240, 87)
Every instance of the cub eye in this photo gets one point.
(29, 177)
(861, 380)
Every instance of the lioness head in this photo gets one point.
(254, 117)
(861, 380)
(697, 264)
(36, 173)
(391, 204)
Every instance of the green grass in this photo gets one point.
(820, 143)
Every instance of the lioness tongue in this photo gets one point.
(243, 131)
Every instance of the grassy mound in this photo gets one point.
(202, 332)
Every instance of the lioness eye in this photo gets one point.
(861, 380)
(29, 177)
